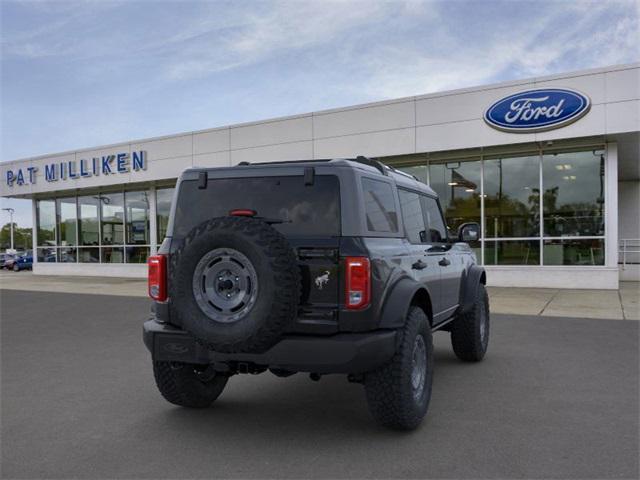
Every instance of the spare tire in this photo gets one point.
(235, 284)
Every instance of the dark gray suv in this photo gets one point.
(332, 266)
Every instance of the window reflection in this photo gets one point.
(88, 220)
(512, 197)
(512, 252)
(89, 255)
(137, 217)
(574, 252)
(67, 213)
(112, 206)
(573, 198)
(46, 218)
(458, 187)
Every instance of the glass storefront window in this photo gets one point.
(137, 218)
(67, 221)
(89, 255)
(512, 252)
(574, 252)
(112, 255)
(112, 219)
(163, 208)
(46, 218)
(512, 197)
(67, 255)
(46, 255)
(137, 254)
(88, 226)
(573, 198)
(458, 187)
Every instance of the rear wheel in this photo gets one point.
(187, 385)
(398, 394)
(470, 331)
(16, 268)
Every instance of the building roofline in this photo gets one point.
(445, 93)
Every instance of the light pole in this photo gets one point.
(11, 211)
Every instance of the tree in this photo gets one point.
(21, 237)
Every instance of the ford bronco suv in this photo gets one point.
(327, 266)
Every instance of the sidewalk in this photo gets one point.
(606, 304)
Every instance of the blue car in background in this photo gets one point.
(23, 262)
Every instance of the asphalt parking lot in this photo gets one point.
(555, 397)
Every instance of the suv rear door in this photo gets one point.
(424, 268)
(439, 250)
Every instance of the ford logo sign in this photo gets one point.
(537, 110)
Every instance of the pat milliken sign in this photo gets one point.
(537, 110)
(105, 165)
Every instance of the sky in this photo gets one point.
(87, 73)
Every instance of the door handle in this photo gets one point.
(419, 265)
(444, 262)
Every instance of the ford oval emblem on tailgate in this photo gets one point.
(537, 110)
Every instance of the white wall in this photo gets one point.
(91, 269)
(553, 277)
(427, 123)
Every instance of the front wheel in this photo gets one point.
(398, 394)
(16, 268)
(470, 331)
(187, 385)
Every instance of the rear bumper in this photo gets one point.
(340, 353)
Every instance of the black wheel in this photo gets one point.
(398, 394)
(470, 331)
(235, 284)
(16, 268)
(187, 385)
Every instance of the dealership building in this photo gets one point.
(549, 166)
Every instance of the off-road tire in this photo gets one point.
(467, 337)
(389, 391)
(180, 384)
(278, 276)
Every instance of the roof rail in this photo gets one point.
(372, 163)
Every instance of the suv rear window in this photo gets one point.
(380, 207)
(307, 210)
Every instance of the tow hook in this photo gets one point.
(355, 378)
(315, 377)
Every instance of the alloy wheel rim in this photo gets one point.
(419, 367)
(225, 285)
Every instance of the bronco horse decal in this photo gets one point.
(322, 280)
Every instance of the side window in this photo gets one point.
(412, 216)
(380, 207)
(437, 232)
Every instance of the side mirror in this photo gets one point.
(469, 232)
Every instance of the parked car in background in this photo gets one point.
(7, 261)
(23, 262)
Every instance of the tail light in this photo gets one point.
(157, 278)
(357, 282)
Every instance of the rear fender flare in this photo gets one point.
(399, 299)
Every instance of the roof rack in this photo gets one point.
(372, 162)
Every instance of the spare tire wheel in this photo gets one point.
(235, 284)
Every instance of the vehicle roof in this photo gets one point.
(370, 166)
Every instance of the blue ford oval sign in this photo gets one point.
(537, 110)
